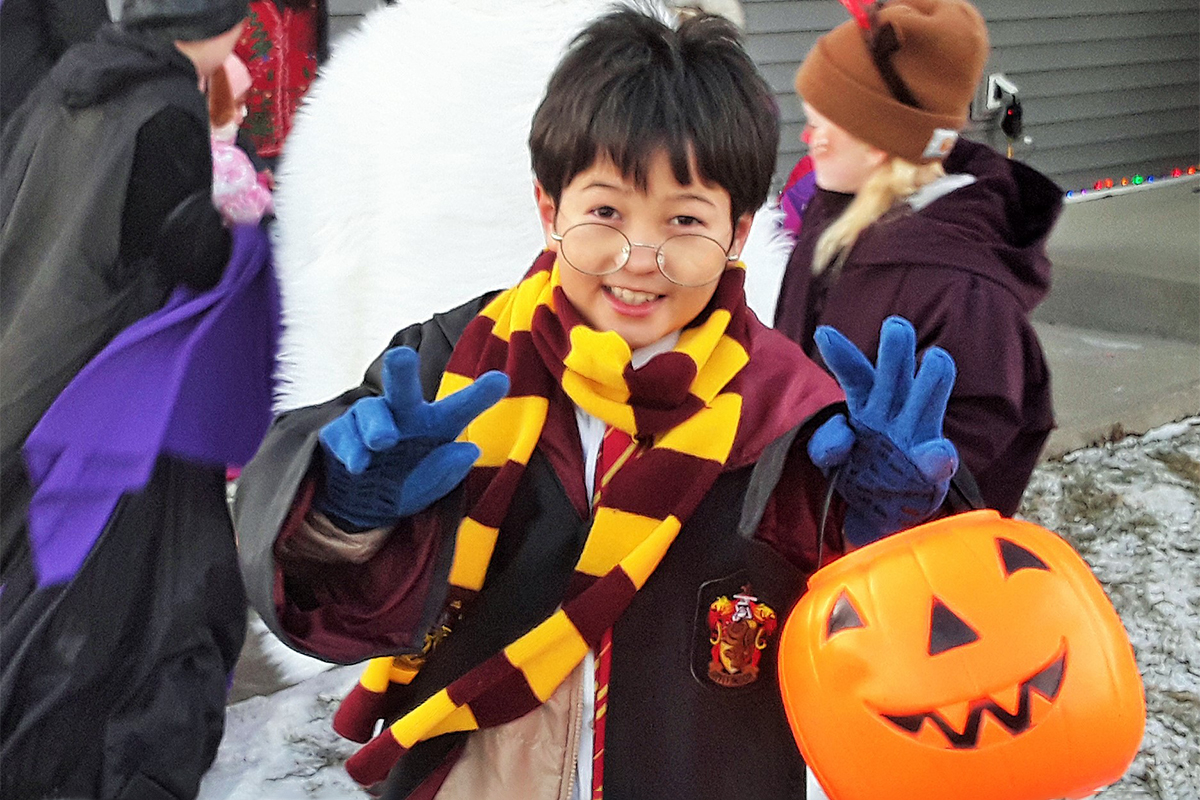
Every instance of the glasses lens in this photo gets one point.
(692, 260)
(595, 249)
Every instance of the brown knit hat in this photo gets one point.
(939, 49)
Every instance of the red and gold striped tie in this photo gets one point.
(616, 450)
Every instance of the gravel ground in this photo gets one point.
(1132, 510)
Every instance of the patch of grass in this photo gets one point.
(1182, 465)
(312, 756)
(1142, 522)
(1084, 499)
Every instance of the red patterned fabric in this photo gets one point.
(279, 46)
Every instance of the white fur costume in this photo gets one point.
(406, 187)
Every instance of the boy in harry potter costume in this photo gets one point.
(132, 323)
(568, 516)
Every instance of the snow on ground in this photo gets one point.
(282, 746)
(1132, 509)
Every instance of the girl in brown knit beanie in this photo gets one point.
(908, 219)
(897, 94)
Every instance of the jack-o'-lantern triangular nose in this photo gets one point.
(947, 630)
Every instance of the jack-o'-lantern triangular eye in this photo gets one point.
(947, 630)
(843, 616)
(1017, 558)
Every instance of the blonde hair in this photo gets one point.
(890, 183)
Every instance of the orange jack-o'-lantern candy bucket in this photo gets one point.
(971, 658)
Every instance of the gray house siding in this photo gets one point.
(345, 14)
(1109, 88)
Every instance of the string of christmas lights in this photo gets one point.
(1108, 184)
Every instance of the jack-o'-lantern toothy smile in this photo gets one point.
(1029, 711)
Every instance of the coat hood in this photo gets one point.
(995, 226)
(90, 73)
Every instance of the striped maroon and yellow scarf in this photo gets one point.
(684, 404)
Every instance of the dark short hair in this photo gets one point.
(631, 85)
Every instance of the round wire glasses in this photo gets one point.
(688, 259)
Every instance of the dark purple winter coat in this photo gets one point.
(966, 269)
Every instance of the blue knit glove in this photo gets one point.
(389, 457)
(895, 464)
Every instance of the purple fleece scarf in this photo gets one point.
(193, 380)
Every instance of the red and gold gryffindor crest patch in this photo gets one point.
(739, 630)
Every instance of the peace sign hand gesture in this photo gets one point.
(895, 465)
(390, 456)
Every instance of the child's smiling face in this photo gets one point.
(637, 301)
